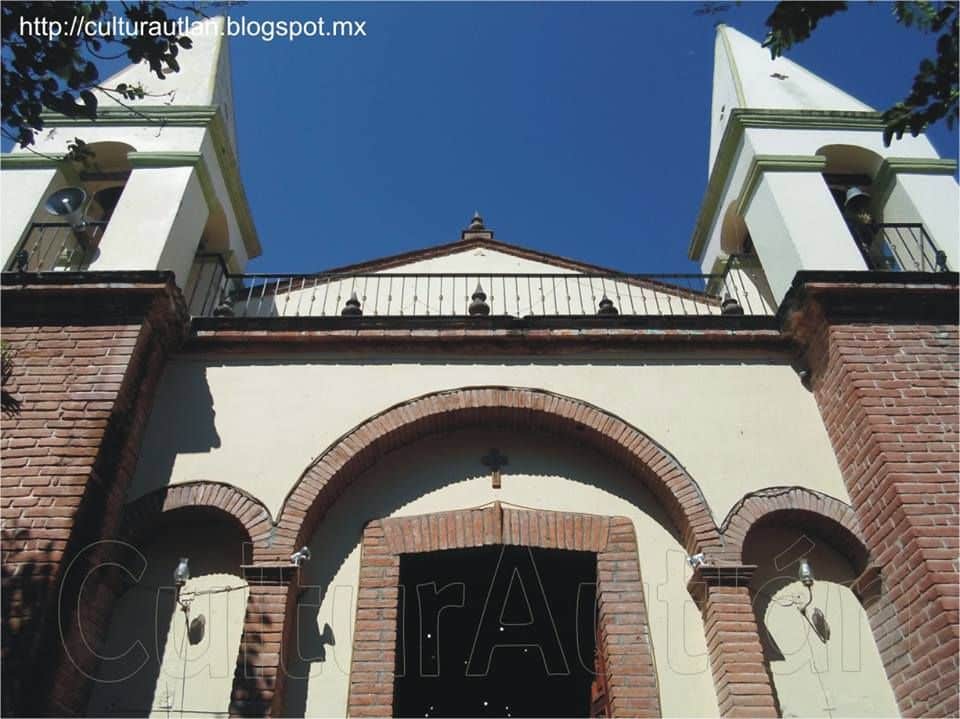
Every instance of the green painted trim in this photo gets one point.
(168, 115)
(809, 119)
(738, 86)
(208, 116)
(920, 165)
(763, 164)
(886, 178)
(29, 161)
(722, 168)
(742, 118)
(179, 159)
(164, 159)
(230, 169)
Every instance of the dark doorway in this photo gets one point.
(496, 631)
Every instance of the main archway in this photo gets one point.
(502, 407)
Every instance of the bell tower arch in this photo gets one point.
(173, 156)
(777, 132)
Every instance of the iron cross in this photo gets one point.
(494, 460)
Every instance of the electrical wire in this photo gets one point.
(189, 594)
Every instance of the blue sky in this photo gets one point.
(579, 129)
(574, 128)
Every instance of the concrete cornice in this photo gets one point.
(207, 116)
(742, 118)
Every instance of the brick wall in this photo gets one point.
(84, 389)
(888, 396)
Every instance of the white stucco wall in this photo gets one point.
(150, 665)
(840, 677)
(443, 473)
(736, 423)
(387, 294)
(21, 192)
(480, 259)
(145, 233)
(795, 225)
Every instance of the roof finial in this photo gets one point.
(476, 230)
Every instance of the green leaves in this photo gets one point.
(49, 66)
(794, 22)
(934, 94)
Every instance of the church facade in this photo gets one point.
(477, 479)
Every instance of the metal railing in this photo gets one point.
(899, 247)
(213, 291)
(53, 246)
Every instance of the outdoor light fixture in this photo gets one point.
(182, 573)
(180, 576)
(68, 203)
(816, 619)
(300, 556)
(697, 560)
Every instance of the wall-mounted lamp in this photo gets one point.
(300, 556)
(68, 203)
(816, 619)
(697, 560)
(182, 573)
(180, 576)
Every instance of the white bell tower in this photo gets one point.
(162, 188)
(800, 179)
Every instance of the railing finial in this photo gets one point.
(478, 306)
(352, 306)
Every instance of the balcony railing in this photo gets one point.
(53, 246)
(216, 292)
(899, 247)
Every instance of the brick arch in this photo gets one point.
(143, 513)
(505, 407)
(799, 507)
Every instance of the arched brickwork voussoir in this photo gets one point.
(143, 513)
(803, 508)
(504, 407)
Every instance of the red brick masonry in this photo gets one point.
(888, 391)
(624, 639)
(86, 360)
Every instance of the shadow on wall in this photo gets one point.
(412, 473)
(139, 671)
(837, 674)
(21, 598)
(185, 416)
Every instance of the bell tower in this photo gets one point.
(800, 179)
(161, 190)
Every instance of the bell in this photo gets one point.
(856, 192)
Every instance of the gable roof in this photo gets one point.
(450, 248)
(479, 237)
